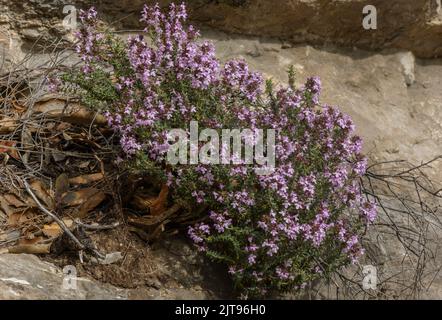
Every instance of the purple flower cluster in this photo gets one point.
(220, 222)
(172, 60)
(267, 227)
(310, 200)
(175, 51)
(53, 84)
(88, 39)
(236, 75)
(313, 87)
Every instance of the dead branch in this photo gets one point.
(54, 217)
(96, 227)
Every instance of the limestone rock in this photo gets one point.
(25, 276)
(407, 61)
(408, 25)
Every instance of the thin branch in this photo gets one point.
(97, 227)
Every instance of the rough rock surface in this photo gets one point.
(176, 271)
(409, 25)
(24, 276)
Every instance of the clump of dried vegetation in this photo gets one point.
(404, 243)
(58, 181)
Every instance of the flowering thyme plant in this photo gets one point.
(278, 231)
